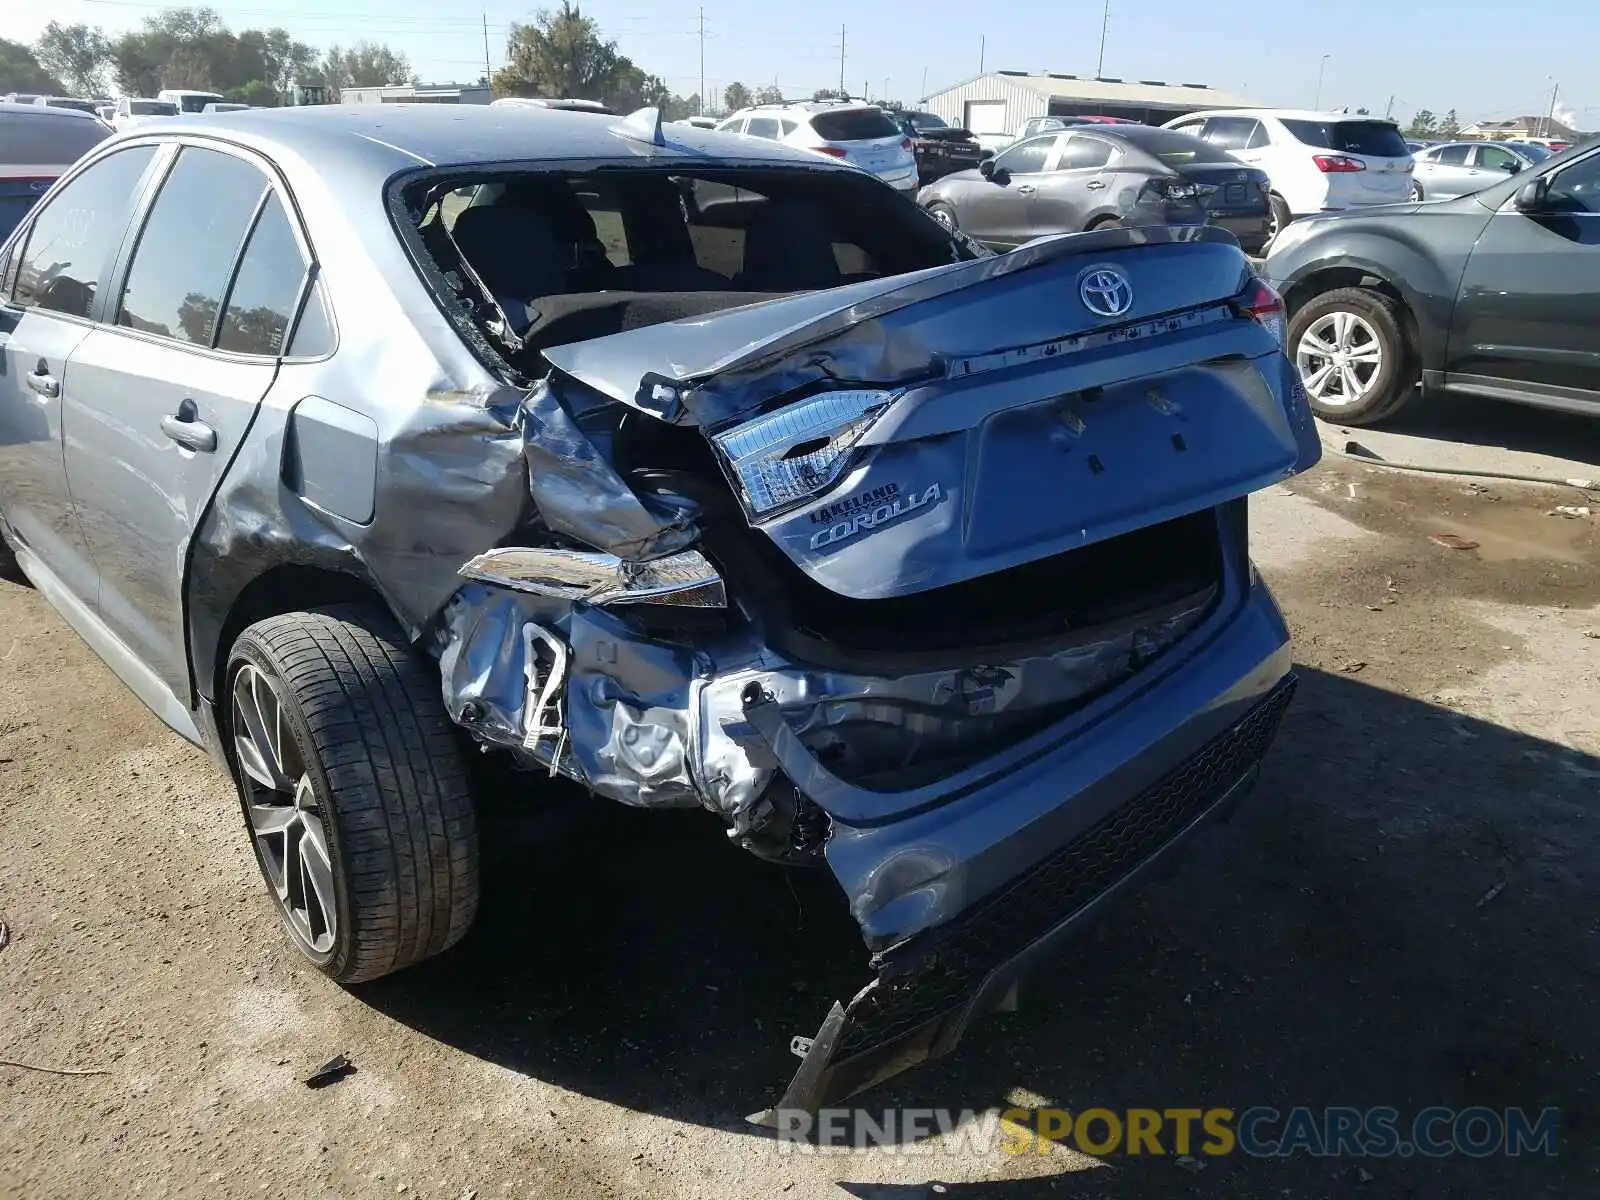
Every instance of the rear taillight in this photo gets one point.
(1337, 164)
(1263, 305)
(833, 151)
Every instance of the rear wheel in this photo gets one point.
(354, 790)
(1416, 190)
(1354, 358)
(1281, 216)
(944, 214)
(1105, 223)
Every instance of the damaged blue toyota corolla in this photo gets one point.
(701, 472)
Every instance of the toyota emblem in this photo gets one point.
(1106, 291)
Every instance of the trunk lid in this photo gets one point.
(1009, 422)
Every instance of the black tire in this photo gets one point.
(944, 214)
(1103, 223)
(1395, 379)
(387, 781)
(1416, 191)
(1281, 216)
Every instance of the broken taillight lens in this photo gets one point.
(1263, 305)
(784, 458)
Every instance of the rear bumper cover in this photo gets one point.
(1011, 871)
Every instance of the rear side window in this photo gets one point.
(1081, 153)
(1231, 133)
(1498, 158)
(763, 127)
(1027, 157)
(853, 125)
(1174, 148)
(187, 249)
(1377, 139)
(267, 287)
(46, 139)
(1454, 155)
(77, 231)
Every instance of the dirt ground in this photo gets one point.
(1403, 914)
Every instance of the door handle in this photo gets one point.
(1094, 185)
(1026, 189)
(188, 430)
(44, 383)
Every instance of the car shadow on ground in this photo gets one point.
(1479, 421)
(1403, 914)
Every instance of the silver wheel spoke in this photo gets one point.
(258, 730)
(1316, 343)
(269, 820)
(317, 871)
(1366, 354)
(1350, 382)
(1317, 382)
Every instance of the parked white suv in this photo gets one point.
(136, 110)
(1317, 161)
(858, 133)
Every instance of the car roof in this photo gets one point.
(364, 144)
(1292, 114)
(45, 112)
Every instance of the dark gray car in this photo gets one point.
(393, 430)
(1078, 179)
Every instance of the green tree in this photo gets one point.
(771, 94)
(679, 107)
(561, 54)
(736, 96)
(20, 71)
(1423, 125)
(829, 94)
(365, 64)
(78, 55)
(1451, 125)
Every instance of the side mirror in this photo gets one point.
(986, 168)
(1530, 197)
(1511, 168)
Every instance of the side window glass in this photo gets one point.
(77, 232)
(789, 127)
(1230, 133)
(763, 127)
(1259, 139)
(1454, 155)
(313, 336)
(1192, 128)
(1576, 189)
(266, 289)
(186, 251)
(1028, 157)
(1081, 153)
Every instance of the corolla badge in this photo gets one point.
(1105, 291)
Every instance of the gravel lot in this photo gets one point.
(1403, 914)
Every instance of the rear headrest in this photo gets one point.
(513, 250)
(788, 246)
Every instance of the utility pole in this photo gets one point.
(1551, 115)
(1105, 21)
(923, 94)
(1321, 67)
(1389, 112)
(841, 60)
(702, 61)
(982, 43)
(485, 46)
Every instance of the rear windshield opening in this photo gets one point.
(853, 125)
(154, 108)
(52, 139)
(1173, 148)
(1378, 139)
(567, 256)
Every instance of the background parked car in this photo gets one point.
(188, 100)
(1317, 161)
(1034, 125)
(1092, 176)
(135, 110)
(861, 134)
(1460, 168)
(224, 106)
(940, 149)
(72, 102)
(1493, 294)
(37, 145)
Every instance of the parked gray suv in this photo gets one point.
(700, 471)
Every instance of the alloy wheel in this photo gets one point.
(285, 814)
(1338, 357)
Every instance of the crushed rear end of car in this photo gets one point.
(940, 580)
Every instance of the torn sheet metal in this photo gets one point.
(684, 579)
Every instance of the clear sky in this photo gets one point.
(1485, 58)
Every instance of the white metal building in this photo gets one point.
(998, 102)
(420, 93)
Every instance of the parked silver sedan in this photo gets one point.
(1461, 168)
